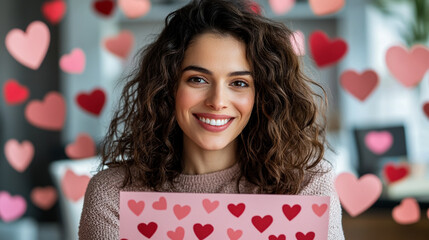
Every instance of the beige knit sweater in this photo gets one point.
(100, 215)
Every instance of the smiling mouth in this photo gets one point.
(213, 122)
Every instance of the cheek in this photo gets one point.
(184, 99)
(245, 104)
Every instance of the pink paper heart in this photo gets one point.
(179, 234)
(73, 62)
(325, 7)
(18, 155)
(44, 197)
(49, 114)
(210, 206)
(83, 147)
(357, 195)
(161, 204)
(136, 207)
(234, 234)
(134, 8)
(281, 6)
(11, 207)
(181, 211)
(319, 210)
(378, 142)
(298, 43)
(29, 48)
(359, 85)
(73, 185)
(14, 93)
(121, 44)
(407, 212)
(408, 67)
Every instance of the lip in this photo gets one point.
(212, 116)
(211, 128)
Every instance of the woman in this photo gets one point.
(218, 104)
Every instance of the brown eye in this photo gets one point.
(196, 80)
(240, 84)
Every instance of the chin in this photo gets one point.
(212, 146)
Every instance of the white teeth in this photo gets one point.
(214, 122)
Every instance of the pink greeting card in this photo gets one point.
(192, 216)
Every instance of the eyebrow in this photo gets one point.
(206, 71)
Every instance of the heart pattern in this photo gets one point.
(394, 173)
(280, 237)
(15, 93)
(54, 11)
(44, 197)
(161, 204)
(136, 207)
(179, 234)
(234, 234)
(319, 210)
(18, 155)
(236, 210)
(359, 85)
(181, 211)
(210, 206)
(379, 142)
(73, 185)
(291, 212)
(407, 212)
(202, 232)
(83, 147)
(307, 236)
(48, 114)
(11, 207)
(93, 102)
(262, 223)
(147, 230)
(325, 51)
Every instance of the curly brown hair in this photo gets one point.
(284, 139)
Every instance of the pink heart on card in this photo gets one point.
(357, 195)
(161, 204)
(121, 44)
(134, 8)
(179, 234)
(325, 7)
(234, 234)
(18, 155)
(14, 93)
(407, 212)
(297, 39)
(307, 236)
(319, 210)
(281, 6)
(74, 62)
(408, 67)
(210, 206)
(49, 114)
(44, 197)
(83, 147)
(11, 207)
(29, 48)
(378, 142)
(136, 207)
(73, 185)
(181, 212)
(359, 85)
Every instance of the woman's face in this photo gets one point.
(216, 91)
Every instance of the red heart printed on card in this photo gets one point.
(147, 230)
(136, 207)
(104, 7)
(291, 212)
(262, 223)
(14, 93)
(236, 210)
(18, 155)
(395, 173)
(319, 210)
(11, 207)
(48, 114)
(379, 142)
(280, 237)
(83, 147)
(325, 51)
(44, 197)
(202, 232)
(179, 234)
(326, 7)
(407, 212)
(161, 204)
(181, 212)
(302, 236)
(121, 44)
(93, 102)
(210, 206)
(426, 109)
(234, 234)
(54, 10)
(73, 185)
(359, 85)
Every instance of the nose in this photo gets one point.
(216, 98)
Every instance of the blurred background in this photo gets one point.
(392, 114)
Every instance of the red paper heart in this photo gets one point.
(395, 173)
(54, 10)
(426, 109)
(254, 7)
(161, 204)
(262, 223)
(93, 102)
(14, 93)
(359, 85)
(74, 186)
(308, 236)
(325, 51)
(280, 237)
(136, 207)
(291, 212)
(147, 230)
(104, 7)
(236, 210)
(202, 232)
(44, 198)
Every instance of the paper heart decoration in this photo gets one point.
(325, 51)
(136, 207)
(134, 8)
(14, 93)
(121, 44)
(262, 223)
(281, 6)
(359, 85)
(104, 7)
(74, 186)
(202, 232)
(407, 212)
(18, 155)
(408, 67)
(357, 195)
(73, 62)
(44, 197)
(147, 230)
(280, 237)
(83, 147)
(93, 102)
(54, 10)
(181, 211)
(379, 142)
(11, 207)
(395, 173)
(161, 204)
(210, 206)
(49, 114)
(29, 48)
(324, 7)
(234, 234)
(319, 210)
(426, 109)
(307, 236)
(297, 40)
(254, 7)
(179, 234)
